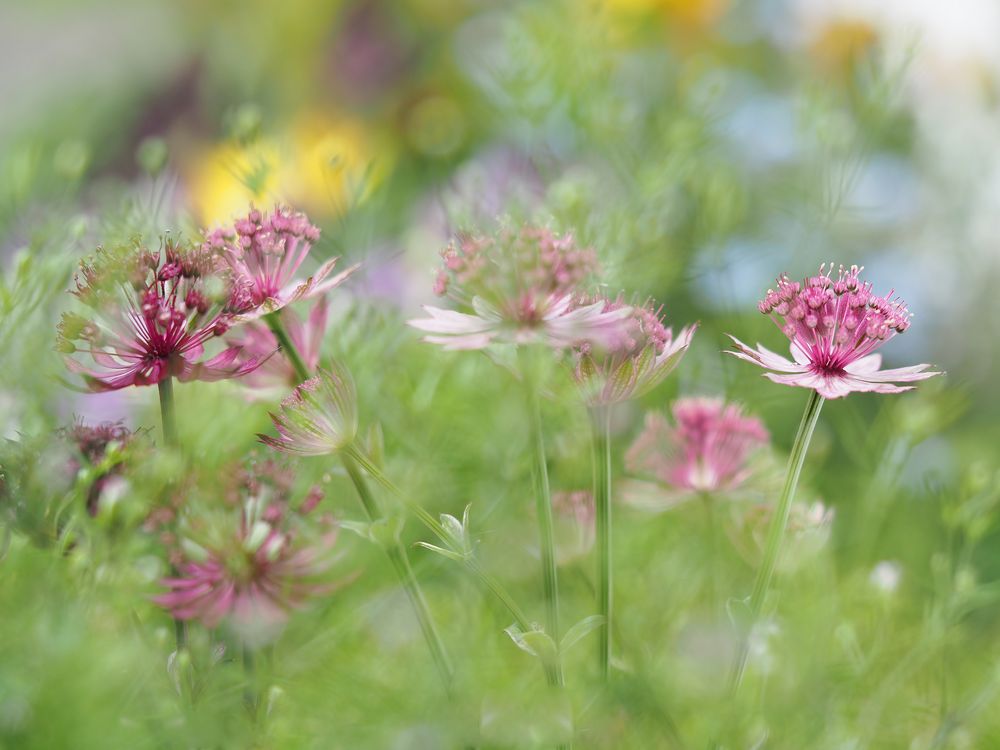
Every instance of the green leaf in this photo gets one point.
(579, 630)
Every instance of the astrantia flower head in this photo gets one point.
(517, 287)
(834, 326)
(151, 315)
(278, 372)
(252, 562)
(264, 252)
(706, 450)
(319, 417)
(642, 353)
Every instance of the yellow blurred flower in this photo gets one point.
(322, 164)
(694, 13)
(336, 162)
(223, 179)
(841, 43)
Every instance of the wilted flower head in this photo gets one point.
(319, 417)
(252, 561)
(99, 448)
(834, 327)
(808, 530)
(152, 314)
(517, 286)
(574, 521)
(277, 372)
(642, 353)
(264, 252)
(706, 449)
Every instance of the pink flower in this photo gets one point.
(642, 355)
(834, 328)
(153, 313)
(574, 521)
(319, 417)
(264, 252)
(277, 372)
(517, 287)
(254, 572)
(704, 451)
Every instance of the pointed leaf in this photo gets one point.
(579, 630)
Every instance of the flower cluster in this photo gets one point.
(834, 327)
(518, 287)
(152, 314)
(264, 252)
(640, 356)
(705, 450)
(256, 561)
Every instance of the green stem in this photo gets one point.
(168, 420)
(601, 424)
(251, 697)
(167, 411)
(712, 530)
(776, 532)
(397, 556)
(288, 347)
(543, 507)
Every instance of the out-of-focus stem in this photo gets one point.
(601, 426)
(168, 420)
(401, 564)
(543, 507)
(776, 533)
(288, 347)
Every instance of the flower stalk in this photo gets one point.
(543, 507)
(288, 348)
(168, 421)
(776, 532)
(395, 552)
(601, 427)
(401, 564)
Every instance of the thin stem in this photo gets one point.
(601, 424)
(776, 532)
(543, 507)
(167, 411)
(251, 698)
(288, 347)
(168, 420)
(434, 526)
(397, 556)
(712, 529)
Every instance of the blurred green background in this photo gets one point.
(702, 147)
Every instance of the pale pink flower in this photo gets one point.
(152, 314)
(318, 418)
(517, 287)
(643, 353)
(264, 252)
(277, 372)
(574, 521)
(254, 572)
(705, 450)
(834, 327)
